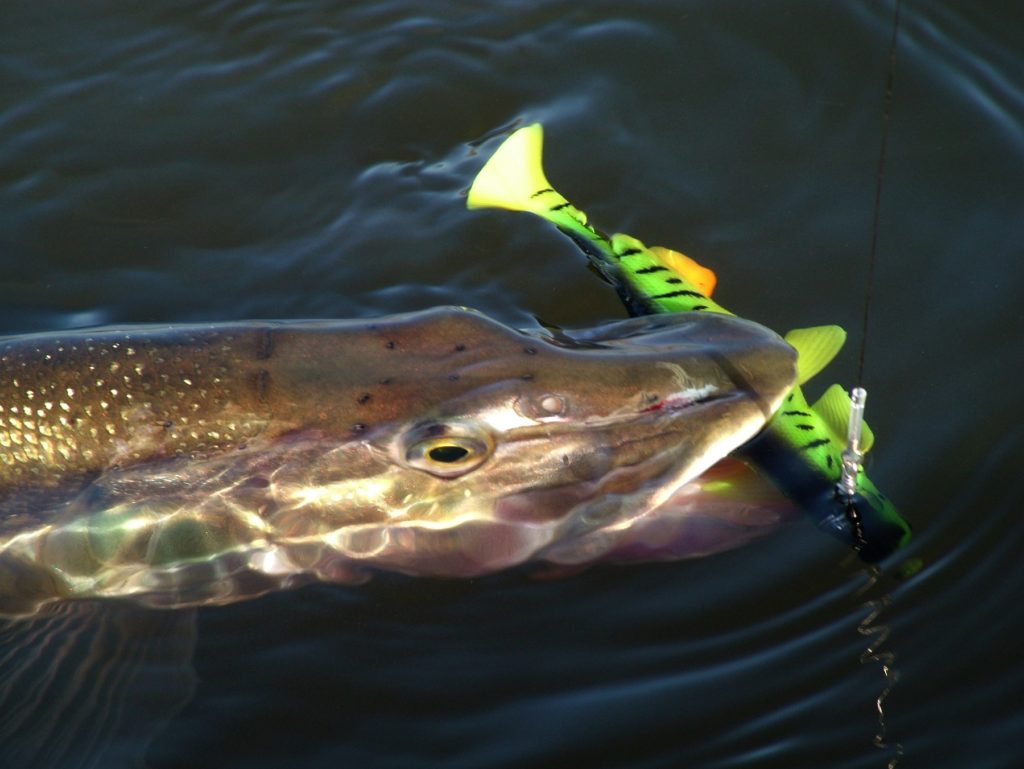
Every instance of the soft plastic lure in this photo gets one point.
(801, 447)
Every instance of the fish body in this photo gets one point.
(801, 445)
(203, 464)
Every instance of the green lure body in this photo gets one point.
(800, 448)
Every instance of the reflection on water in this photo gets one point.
(298, 160)
(92, 684)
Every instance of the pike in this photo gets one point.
(190, 465)
(800, 448)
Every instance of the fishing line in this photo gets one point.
(852, 456)
(878, 633)
(879, 180)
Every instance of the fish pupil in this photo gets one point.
(448, 453)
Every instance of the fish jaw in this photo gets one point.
(726, 506)
(645, 469)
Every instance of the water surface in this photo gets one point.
(214, 161)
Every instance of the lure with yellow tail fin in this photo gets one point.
(800, 448)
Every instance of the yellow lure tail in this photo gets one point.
(514, 178)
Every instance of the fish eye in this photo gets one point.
(448, 453)
(448, 450)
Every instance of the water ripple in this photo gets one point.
(217, 160)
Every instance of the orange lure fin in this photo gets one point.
(699, 275)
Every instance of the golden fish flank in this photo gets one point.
(106, 396)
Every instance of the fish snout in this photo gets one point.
(669, 363)
(757, 364)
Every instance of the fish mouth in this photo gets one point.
(633, 463)
(725, 507)
(701, 358)
(710, 399)
(685, 400)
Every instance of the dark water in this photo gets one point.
(186, 162)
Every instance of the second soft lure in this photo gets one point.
(800, 448)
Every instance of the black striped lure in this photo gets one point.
(802, 447)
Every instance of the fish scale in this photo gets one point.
(81, 402)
